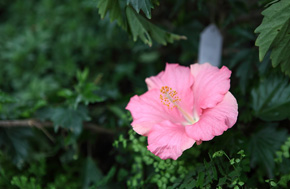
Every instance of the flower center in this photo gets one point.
(169, 96)
(170, 99)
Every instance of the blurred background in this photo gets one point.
(67, 75)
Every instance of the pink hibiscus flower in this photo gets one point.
(183, 106)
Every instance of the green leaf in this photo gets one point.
(91, 174)
(200, 179)
(66, 117)
(222, 181)
(114, 8)
(284, 180)
(70, 118)
(271, 100)
(86, 91)
(107, 178)
(146, 31)
(66, 93)
(139, 27)
(24, 182)
(263, 146)
(122, 174)
(87, 94)
(281, 48)
(273, 183)
(15, 143)
(144, 5)
(218, 154)
(275, 33)
(82, 76)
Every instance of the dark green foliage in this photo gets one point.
(136, 24)
(15, 143)
(69, 68)
(91, 174)
(84, 91)
(213, 173)
(144, 5)
(39, 174)
(285, 151)
(275, 34)
(263, 146)
(24, 182)
(67, 118)
(114, 8)
(271, 100)
(140, 27)
(163, 172)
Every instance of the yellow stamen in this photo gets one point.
(169, 98)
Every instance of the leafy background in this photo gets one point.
(68, 69)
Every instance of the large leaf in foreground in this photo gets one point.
(114, 8)
(281, 48)
(140, 27)
(135, 23)
(275, 33)
(144, 5)
(271, 100)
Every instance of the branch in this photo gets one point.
(47, 124)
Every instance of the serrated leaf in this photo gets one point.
(137, 27)
(136, 24)
(281, 48)
(275, 33)
(271, 100)
(274, 18)
(144, 5)
(87, 94)
(263, 146)
(146, 31)
(65, 117)
(114, 9)
(70, 118)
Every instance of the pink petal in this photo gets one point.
(214, 121)
(175, 76)
(179, 79)
(168, 140)
(210, 85)
(155, 82)
(147, 110)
